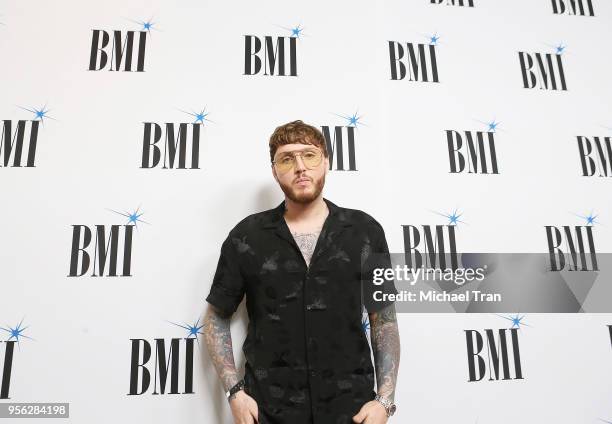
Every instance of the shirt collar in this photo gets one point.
(335, 223)
(336, 214)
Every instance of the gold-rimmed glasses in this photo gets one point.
(310, 157)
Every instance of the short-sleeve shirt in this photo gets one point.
(307, 354)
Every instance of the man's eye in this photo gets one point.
(310, 155)
(286, 160)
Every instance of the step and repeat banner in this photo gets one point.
(135, 136)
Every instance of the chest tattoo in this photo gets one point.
(306, 242)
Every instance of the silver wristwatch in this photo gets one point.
(389, 406)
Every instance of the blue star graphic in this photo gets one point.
(133, 217)
(296, 31)
(433, 39)
(16, 332)
(39, 114)
(146, 25)
(453, 218)
(193, 330)
(590, 219)
(516, 320)
(353, 121)
(365, 324)
(200, 117)
(560, 48)
(492, 125)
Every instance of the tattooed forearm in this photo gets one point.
(219, 343)
(386, 348)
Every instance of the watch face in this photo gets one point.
(392, 409)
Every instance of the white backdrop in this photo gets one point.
(88, 164)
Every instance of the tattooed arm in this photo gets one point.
(219, 344)
(386, 346)
(218, 338)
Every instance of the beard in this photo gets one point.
(300, 195)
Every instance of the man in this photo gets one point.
(307, 355)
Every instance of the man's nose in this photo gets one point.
(299, 164)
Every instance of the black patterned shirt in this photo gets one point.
(308, 358)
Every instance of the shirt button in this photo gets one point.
(313, 373)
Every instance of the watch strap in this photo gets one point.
(234, 389)
(389, 406)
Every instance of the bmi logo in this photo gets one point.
(277, 55)
(19, 134)
(178, 138)
(473, 152)
(497, 355)
(432, 246)
(172, 363)
(573, 7)
(543, 70)
(577, 242)
(595, 156)
(341, 154)
(468, 3)
(7, 352)
(120, 50)
(105, 250)
(417, 61)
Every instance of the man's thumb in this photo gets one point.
(360, 416)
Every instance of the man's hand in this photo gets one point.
(244, 408)
(372, 412)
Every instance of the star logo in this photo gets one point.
(560, 49)
(453, 218)
(295, 31)
(16, 332)
(352, 120)
(199, 117)
(433, 39)
(492, 126)
(192, 330)
(39, 114)
(133, 217)
(516, 320)
(590, 218)
(365, 325)
(146, 25)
